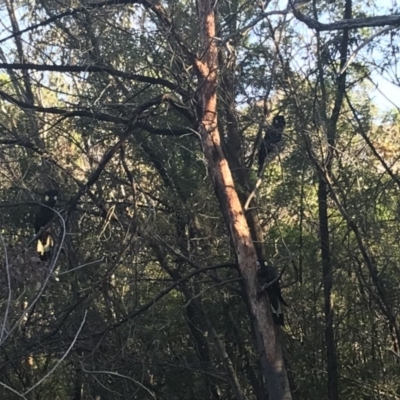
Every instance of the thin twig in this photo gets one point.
(100, 260)
(3, 327)
(61, 359)
(362, 45)
(120, 376)
(13, 390)
(44, 284)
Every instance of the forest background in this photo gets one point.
(147, 116)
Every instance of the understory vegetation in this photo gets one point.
(146, 294)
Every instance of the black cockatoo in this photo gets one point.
(272, 137)
(43, 217)
(267, 274)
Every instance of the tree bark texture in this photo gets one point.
(206, 67)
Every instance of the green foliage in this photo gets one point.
(151, 216)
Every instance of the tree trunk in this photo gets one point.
(327, 275)
(267, 338)
(327, 281)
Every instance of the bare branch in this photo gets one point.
(120, 376)
(355, 23)
(43, 284)
(100, 117)
(66, 113)
(3, 327)
(71, 11)
(61, 359)
(363, 44)
(367, 140)
(96, 68)
(164, 292)
(13, 390)
(243, 30)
